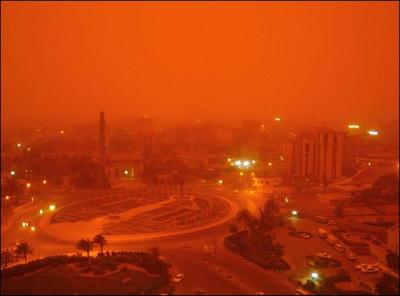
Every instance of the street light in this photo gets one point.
(41, 212)
(7, 197)
(353, 126)
(246, 163)
(33, 228)
(19, 145)
(126, 172)
(294, 213)
(44, 181)
(220, 182)
(270, 163)
(241, 173)
(28, 185)
(373, 132)
(12, 173)
(277, 119)
(314, 276)
(52, 208)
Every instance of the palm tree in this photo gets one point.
(24, 249)
(7, 257)
(85, 245)
(101, 241)
(244, 216)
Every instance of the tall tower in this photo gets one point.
(102, 139)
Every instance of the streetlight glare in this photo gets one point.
(373, 132)
(277, 119)
(314, 275)
(28, 185)
(270, 163)
(19, 145)
(221, 181)
(7, 197)
(238, 162)
(12, 173)
(241, 173)
(33, 228)
(126, 172)
(353, 126)
(44, 181)
(41, 212)
(246, 163)
(52, 208)
(294, 213)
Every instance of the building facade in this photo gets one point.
(317, 155)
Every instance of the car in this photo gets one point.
(331, 223)
(321, 219)
(178, 278)
(351, 255)
(324, 255)
(303, 235)
(301, 291)
(339, 247)
(369, 270)
(359, 266)
(322, 233)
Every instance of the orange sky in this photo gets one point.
(330, 61)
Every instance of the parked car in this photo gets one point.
(178, 278)
(324, 255)
(339, 247)
(350, 255)
(303, 235)
(321, 219)
(322, 233)
(331, 223)
(301, 291)
(369, 269)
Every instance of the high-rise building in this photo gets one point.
(317, 155)
(102, 139)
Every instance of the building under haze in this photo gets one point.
(316, 155)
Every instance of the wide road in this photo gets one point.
(220, 273)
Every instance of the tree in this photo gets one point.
(155, 252)
(7, 257)
(85, 245)
(233, 229)
(23, 250)
(244, 216)
(101, 241)
(392, 260)
(387, 285)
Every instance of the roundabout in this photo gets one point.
(137, 218)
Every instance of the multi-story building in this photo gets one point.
(315, 155)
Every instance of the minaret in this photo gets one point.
(102, 139)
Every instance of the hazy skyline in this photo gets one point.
(335, 62)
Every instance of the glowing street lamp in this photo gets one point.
(353, 126)
(373, 132)
(229, 159)
(12, 173)
(33, 228)
(25, 224)
(246, 163)
(52, 208)
(238, 162)
(41, 212)
(44, 181)
(19, 145)
(28, 185)
(220, 182)
(253, 161)
(7, 197)
(277, 119)
(314, 276)
(126, 172)
(295, 213)
(62, 132)
(28, 149)
(286, 200)
(270, 163)
(241, 173)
